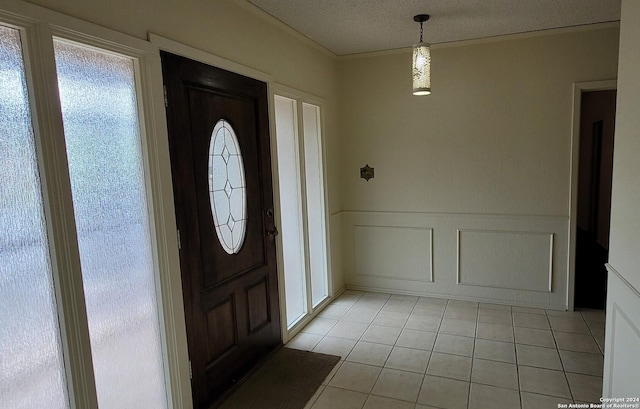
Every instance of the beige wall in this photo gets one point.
(494, 137)
(228, 29)
(472, 183)
(492, 142)
(236, 31)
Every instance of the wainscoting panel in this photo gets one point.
(622, 340)
(414, 246)
(518, 260)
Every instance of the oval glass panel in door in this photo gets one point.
(227, 189)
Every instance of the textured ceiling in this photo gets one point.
(357, 26)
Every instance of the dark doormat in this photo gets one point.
(286, 381)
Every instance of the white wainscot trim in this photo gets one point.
(394, 252)
(503, 259)
(514, 260)
(622, 338)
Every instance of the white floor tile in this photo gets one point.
(374, 303)
(539, 357)
(391, 319)
(304, 341)
(462, 303)
(576, 342)
(423, 322)
(543, 381)
(320, 326)
(334, 398)
(458, 327)
(442, 302)
(484, 396)
(346, 300)
(561, 313)
(408, 359)
(496, 332)
(494, 373)
(402, 305)
(487, 306)
(379, 402)
(356, 377)
(586, 388)
(538, 321)
(386, 342)
(428, 309)
(528, 310)
(444, 393)
(410, 338)
(398, 385)
(461, 313)
(494, 350)
(334, 311)
(369, 353)
(535, 401)
(454, 344)
(495, 316)
(335, 346)
(381, 335)
(536, 337)
(582, 362)
(349, 330)
(449, 366)
(363, 315)
(574, 324)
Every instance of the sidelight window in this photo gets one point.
(100, 115)
(31, 365)
(83, 249)
(302, 206)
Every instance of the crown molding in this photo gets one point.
(257, 11)
(493, 39)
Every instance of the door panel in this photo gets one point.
(231, 300)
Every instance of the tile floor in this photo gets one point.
(413, 352)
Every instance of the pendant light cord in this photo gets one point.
(421, 31)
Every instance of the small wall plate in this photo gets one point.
(367, 172)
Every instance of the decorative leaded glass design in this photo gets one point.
(227, 189)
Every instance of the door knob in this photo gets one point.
(272, 233)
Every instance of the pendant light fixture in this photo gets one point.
(421, 62)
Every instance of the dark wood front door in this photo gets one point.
(597, 120)
(227, 255)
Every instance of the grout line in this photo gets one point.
(515, 351)
(564, 372)
(437, 333)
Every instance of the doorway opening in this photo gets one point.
(593, 205)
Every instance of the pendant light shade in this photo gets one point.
(421, 69)
(421, 64)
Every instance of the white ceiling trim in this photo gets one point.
(252, 8)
